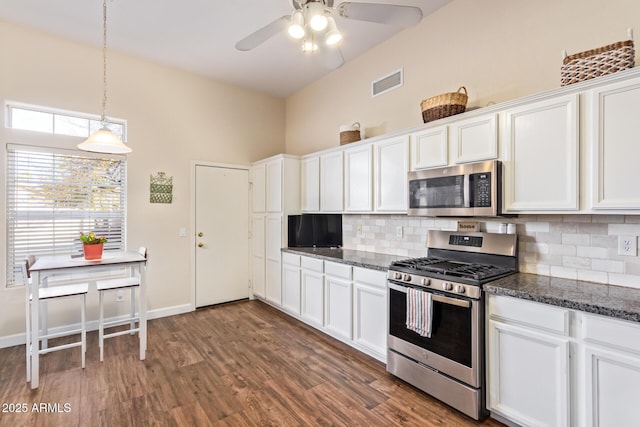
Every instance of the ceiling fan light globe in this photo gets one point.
(316, 17)
(318, 22)
(333, 36)
(296, 27)
(309, 46)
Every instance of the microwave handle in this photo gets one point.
(466, 187)
(435, 297)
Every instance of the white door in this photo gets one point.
(222, 234)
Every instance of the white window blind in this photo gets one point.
(53, 195)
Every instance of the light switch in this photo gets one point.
(182, 232)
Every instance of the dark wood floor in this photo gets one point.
(239, 364)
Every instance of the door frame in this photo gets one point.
(192, 225)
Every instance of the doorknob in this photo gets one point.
(200, 244)
(200, 234)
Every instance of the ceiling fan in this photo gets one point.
(312, 21)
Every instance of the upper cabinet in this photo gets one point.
(391, 165)
(275, 185)
(430, 148)
(331, 182)
(540, 156)
(259, 187)
(475, 139)
(613, 114)
(358, 178)
(310, 185)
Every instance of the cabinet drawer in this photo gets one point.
(337, 270)
(313, 264)
(291, 259)
(618, 333)
(533, 314)
(371, 277)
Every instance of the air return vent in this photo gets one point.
(387, 83)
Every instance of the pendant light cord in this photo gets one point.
(104, 62)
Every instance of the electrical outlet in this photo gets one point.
(399, 232)
(359, 230)
(119, 296)
(627, 245)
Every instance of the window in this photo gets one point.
(48, 120)
(53, 195)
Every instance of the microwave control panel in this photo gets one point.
(480, 189)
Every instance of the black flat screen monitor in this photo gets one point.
(315, 230)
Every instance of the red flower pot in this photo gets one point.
(92, 251)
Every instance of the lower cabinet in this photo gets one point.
(348, 303)
(552, 366)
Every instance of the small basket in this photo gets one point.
(350, 135)
(444, 105)
(597, 62)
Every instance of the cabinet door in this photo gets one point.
(274, 185)
(370, 311)
(615, 110)
(475, 139)
(338, 298)
(331, 181)
(273, 245)
(312, 309)
(430, 148)
(258, 188)
(358, 179)
(258, 254)
(291, 288)
(311, 184)
(541, 156)
(612, 388)
(391, 168)
(528, 375)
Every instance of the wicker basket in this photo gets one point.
(597, 62)
(444, 105)
(350, 134)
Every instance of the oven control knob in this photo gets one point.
(406, 278)
(447, 286)
(460, 289)
(397, 276)
(425, 281)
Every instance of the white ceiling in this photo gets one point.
(200, 35)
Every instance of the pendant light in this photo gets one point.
(104, 140)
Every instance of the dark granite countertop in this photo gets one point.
(371, 260)
(607, 300)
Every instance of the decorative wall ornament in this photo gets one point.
(161, 188)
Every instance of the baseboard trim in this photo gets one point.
(19, 339)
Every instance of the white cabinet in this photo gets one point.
(391, 165)
(541, 156)
(370, 311)
(258, 263)
(338, 298)
(273, 257)
(291, 283)
(310, 185)
(430, 148)
(275, 193)
(331, 182)
(312, 310)
(475, 139)
(613, 145)
(358, 179)
(612, 371)
(528, 362)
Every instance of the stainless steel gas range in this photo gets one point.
(446, 362)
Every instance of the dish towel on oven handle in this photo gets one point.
(419, 308)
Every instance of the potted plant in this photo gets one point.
(92, 245)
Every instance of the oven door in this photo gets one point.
(455, 345)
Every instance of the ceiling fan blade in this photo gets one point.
(332, 58)
(260, 36)
(404, 16)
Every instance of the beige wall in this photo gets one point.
(498, 49)
(173, 117)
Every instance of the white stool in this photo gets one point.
(117, 284)
(49, 293)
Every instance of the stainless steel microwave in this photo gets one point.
(472, 189)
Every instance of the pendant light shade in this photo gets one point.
(103, 140)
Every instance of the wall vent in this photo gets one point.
(387, 83)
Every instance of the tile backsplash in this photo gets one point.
(583, 247)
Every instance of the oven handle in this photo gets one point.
(434, 297)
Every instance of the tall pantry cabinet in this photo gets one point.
(275, 194)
